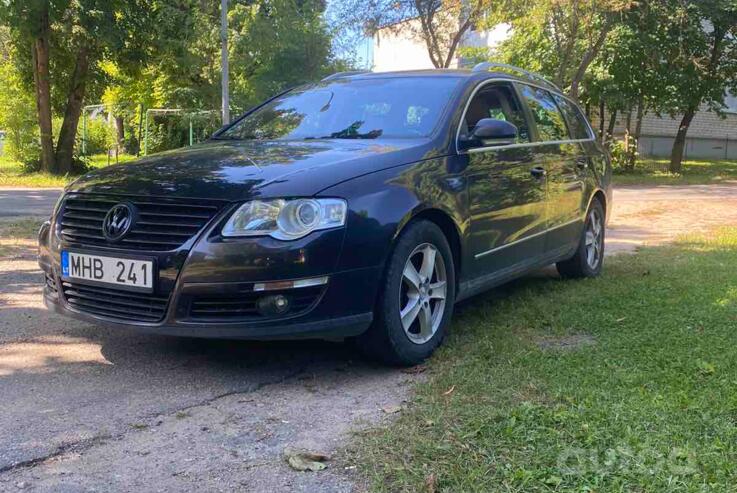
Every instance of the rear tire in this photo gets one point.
(589, 256)
(416, 299)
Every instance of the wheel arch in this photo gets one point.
(601, 195)
(447, 225)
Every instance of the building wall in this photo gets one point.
(709, 135)
(395, 50)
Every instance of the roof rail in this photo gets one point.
(338, 75)
(485, 66)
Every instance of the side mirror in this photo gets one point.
(496, 130)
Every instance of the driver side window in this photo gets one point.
(497, 101)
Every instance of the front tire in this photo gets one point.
(415, 304)
(589, 256)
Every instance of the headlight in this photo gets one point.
(285, 219)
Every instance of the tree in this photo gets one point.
(17, 114)
(60, 43)
(561, 38)
(273, 45)
(699, 59)
(440, 25)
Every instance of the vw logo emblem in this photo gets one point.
(118, 221)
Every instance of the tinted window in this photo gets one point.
(496, 101)
(576, 121)
(357, 109)
(549, 120)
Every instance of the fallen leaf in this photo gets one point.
(430, 482)
(450, 390)
(305, 460)
(621, 319)
(391, 408)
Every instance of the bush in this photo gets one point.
(100, 136)
(624, 154)
(18, 117)
(172, 131)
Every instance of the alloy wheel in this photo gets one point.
(594, 239)
(422, 293)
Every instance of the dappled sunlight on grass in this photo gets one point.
(12, 173)
(655, 172)
(620, 383)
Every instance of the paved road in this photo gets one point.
(85, 409)
(27, 201)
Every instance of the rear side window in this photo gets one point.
(549, 120)
(576, 121)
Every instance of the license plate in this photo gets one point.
(127, 273)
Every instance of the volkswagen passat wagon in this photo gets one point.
(363, 206)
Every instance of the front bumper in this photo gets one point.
(226, 271)
(340, 312)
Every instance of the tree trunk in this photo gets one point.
(638, 118)
(68, 133)
(612, 123)
(43, 92)
(602, 136)
(119, 132)
(676, 155)
(638, 131)
(588, 57)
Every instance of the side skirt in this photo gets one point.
(472, 287)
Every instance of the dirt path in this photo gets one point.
(656, 215)
(86, 409)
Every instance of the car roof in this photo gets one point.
(468, 74)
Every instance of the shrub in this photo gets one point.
(624, 154)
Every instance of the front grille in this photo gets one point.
(115, 303)
(162, 225)
(243, 307)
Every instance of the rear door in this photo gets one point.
(507, 200)
(565, 165)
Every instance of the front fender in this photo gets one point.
(382, 203)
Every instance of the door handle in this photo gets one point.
(582, 163)
(538, 172)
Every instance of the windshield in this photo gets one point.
(356, 109)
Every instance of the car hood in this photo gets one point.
(236, 170)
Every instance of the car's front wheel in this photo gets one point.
(416, 303)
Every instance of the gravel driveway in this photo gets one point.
(85, 409)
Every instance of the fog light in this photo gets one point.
(273, 305)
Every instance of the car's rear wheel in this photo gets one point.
(589, 256)
(416, 301)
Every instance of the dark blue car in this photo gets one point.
(363, 206)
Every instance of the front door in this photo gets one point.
(507, 189)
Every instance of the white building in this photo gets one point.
(395, 49)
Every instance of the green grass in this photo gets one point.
(13, 175)
(625, 383)
(655, 172)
